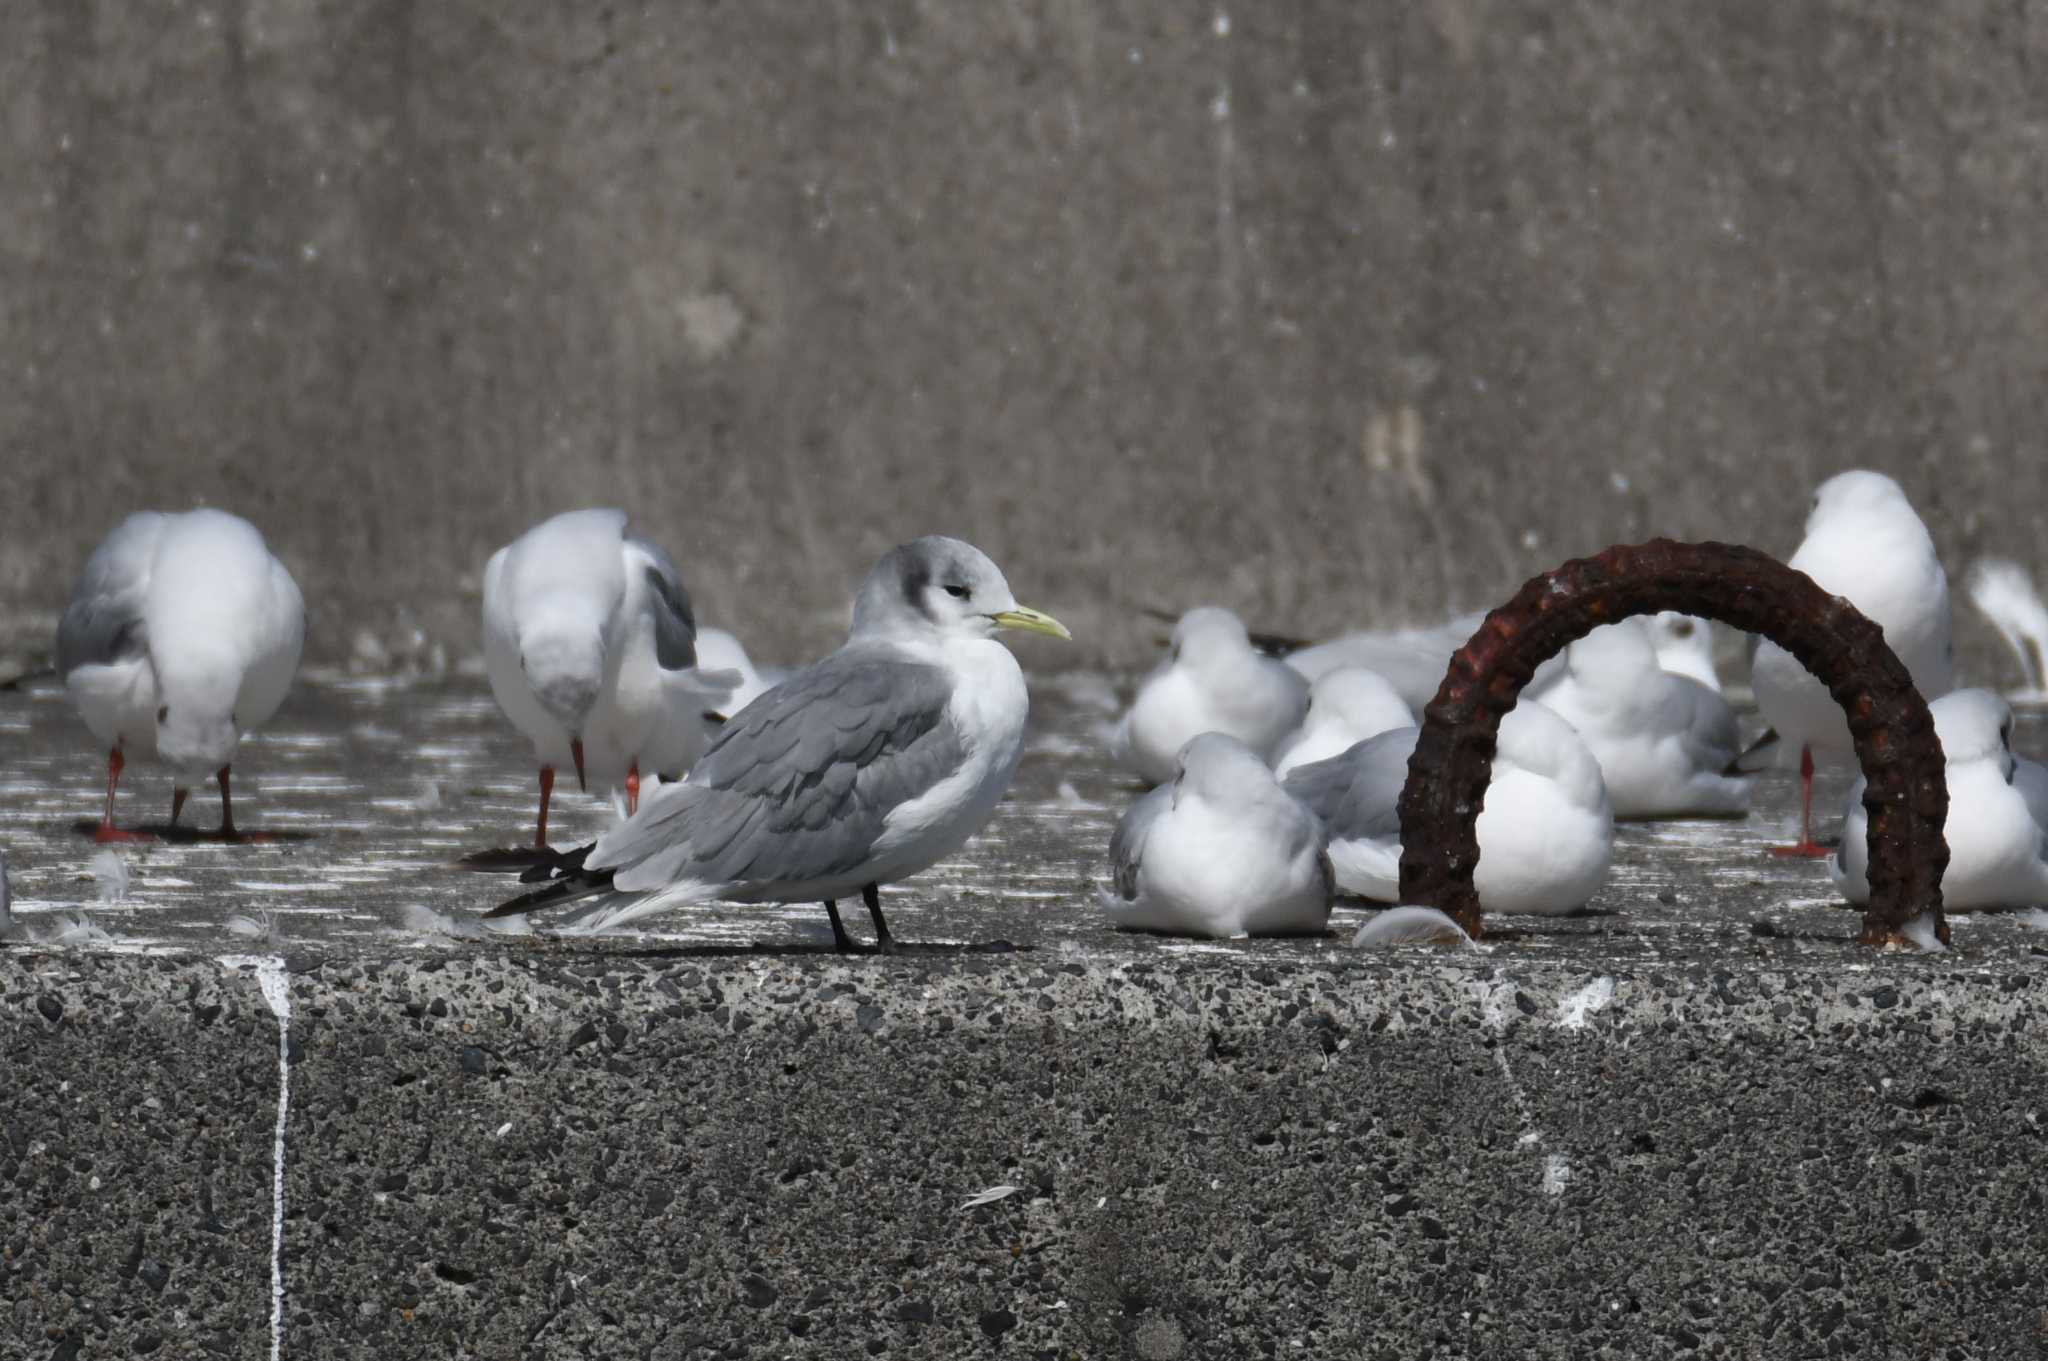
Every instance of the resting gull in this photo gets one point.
(861, 770)
(1345, 706)
(1211, 681)
(1221, 851)
(1996, 849)
(1546, 831)
(1663, 741)
(182, 634)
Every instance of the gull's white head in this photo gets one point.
(942, 586)
(1356, 699)
(1209, 636)
(1685, 645)
(561, 651)
(1616, 651)
(196, 732)
(1974, 725)
(1534, 739)
(1216, 766)
(1858, 493)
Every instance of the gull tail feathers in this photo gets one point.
(707, 690)
(1146, 914)
(619, 909)
(1758, 755)
(2004, 594)
(565, 885)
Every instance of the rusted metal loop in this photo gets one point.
(1906, 793)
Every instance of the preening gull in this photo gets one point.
(1662, 740)
(861, 770)
(1995, 845)
(1546, 831)
(591, 650)
(1346, 705)
(1211, 681)
(1221, 851)
(1863, 542)
(182, 634)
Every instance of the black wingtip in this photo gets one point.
(1743, 764)
(1276, 644)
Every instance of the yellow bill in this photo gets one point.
(1031, 621)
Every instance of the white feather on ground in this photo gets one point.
(110, 876)
(1411, 926)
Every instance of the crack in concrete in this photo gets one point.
(270, 977)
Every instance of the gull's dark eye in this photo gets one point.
(958, 592)
(1682, 629)
(163, 711)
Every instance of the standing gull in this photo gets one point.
(1546, 831)
(182, 634)
(861, 770)
(591, 651)
(1211, 681)
(1221, 851)
(1864, 543)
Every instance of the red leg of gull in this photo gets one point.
(177, 803)
(1806, 848)
(107, 831)
(633, 788)
(227, 808)
(547, 787)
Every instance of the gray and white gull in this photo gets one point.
(182, 634)
(860, 770)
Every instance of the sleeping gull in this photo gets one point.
(1546, 832)
(1863, 542)
(1221, 851)
(1211, 681)
(1414, 660)
(1346, 705)
(591, 651)
(1995, 846)
(1662, 740)
(861, 770)
(182, 634)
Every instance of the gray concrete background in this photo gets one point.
(1336, 313)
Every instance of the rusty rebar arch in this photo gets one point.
(1907, 790)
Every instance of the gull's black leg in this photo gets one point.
(885, 944)
(840, 941)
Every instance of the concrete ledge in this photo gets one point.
(695, 1154)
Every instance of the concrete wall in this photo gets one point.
(1337, 313)
(696, 1157)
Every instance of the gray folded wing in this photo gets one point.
(799, 785)
(1127, 842)
(1357, 793)
(675, 627)
(103, 623)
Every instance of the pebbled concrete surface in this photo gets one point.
(662, 1154)
(1696, 1122)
